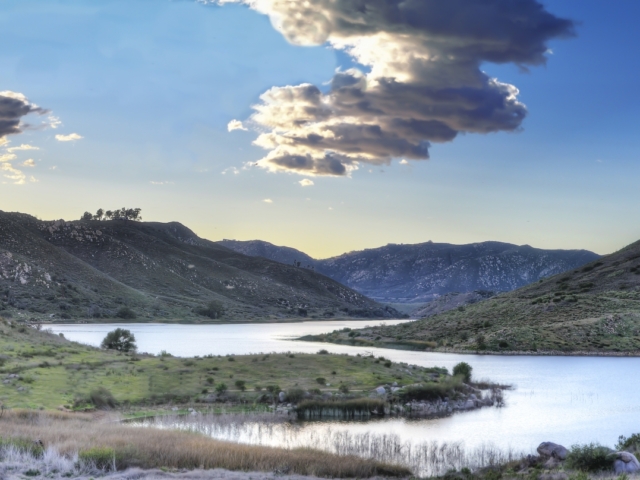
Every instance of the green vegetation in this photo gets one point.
(590, 458)
(121, 340)
(43, 370)
(464, 370)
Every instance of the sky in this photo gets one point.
(328, 126)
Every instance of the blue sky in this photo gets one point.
(151, 85)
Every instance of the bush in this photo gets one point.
(241, 385)
(323, 352)
(431, 391)
(121, 340)
(589, 458)
(343, 388)
(321, 380)
(213, 309)
(464, 370)
(103, 458)
(102, 398)
(221, 388)
(294, 395)
(126, 313)
(630, 444)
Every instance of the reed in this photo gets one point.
(340, 409)
(71, 435)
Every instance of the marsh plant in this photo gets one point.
(422, 458)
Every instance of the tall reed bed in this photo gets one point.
(72, 435)
(428, 458)
(340, 409)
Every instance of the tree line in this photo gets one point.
(121, 214)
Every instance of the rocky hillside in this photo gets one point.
(425, 271)
(106, 269)
(595, 308)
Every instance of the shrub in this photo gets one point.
(464, 370)
(323, 352)
(629, 444)
(387, 364)
(103, 458)
(210, 380)
(589, 458)
(343, 388)
(102, 398)
(431, 391)
(213, 309)
(126, 313)
(221, 388)
(321, 380)
(294, 395)
(241, 385)
(119, 339)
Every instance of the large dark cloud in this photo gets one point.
(14, 106)
(424, 82)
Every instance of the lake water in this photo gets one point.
(566, 400)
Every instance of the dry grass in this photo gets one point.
(153, 448)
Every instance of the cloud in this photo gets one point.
(160, 183)
(69, 138)
(267, 200)
(29, 163)
(305, 182)
(422, 81)
(22, 147)
(14, 106)
(235, 125)
(7, 157)
(233, 170)
(404, 162)
(16, 176)
(54, 122)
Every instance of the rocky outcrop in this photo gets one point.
(625, 462)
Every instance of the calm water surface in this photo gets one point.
(562, 399)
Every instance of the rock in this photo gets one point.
(625, 463)
(282, 397)
(473, 396)
(469, 404)
(395, 389)
(550, 449)
(380, 391)
(394, 384)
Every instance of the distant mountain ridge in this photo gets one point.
(425, 271)
(119, 268)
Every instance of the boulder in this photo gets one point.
(625, 462)
(552, 450)
(282, 397)
(380, 390)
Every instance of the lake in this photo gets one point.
(566, 400)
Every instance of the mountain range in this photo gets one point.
(594, 308)
(92, 269)
(423, 272)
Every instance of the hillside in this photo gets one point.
(595, 308)
(425, 271)
(59, 270)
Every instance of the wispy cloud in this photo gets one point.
(22, 147)
(29, 163)
(267, 200)
(16, 176)
(235, 125)
(305, 182)
(422, 81)
(72, 137)
(232, 170)
(160, 183)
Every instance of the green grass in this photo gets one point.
(55, 372)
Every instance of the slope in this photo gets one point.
(425, 271)
(595, 308)
(91, 269)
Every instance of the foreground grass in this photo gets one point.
(76, 434)
(54, 372)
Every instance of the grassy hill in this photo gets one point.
(42, 370)
(595, 308)
(58, 270)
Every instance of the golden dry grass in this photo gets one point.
(153, 448)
